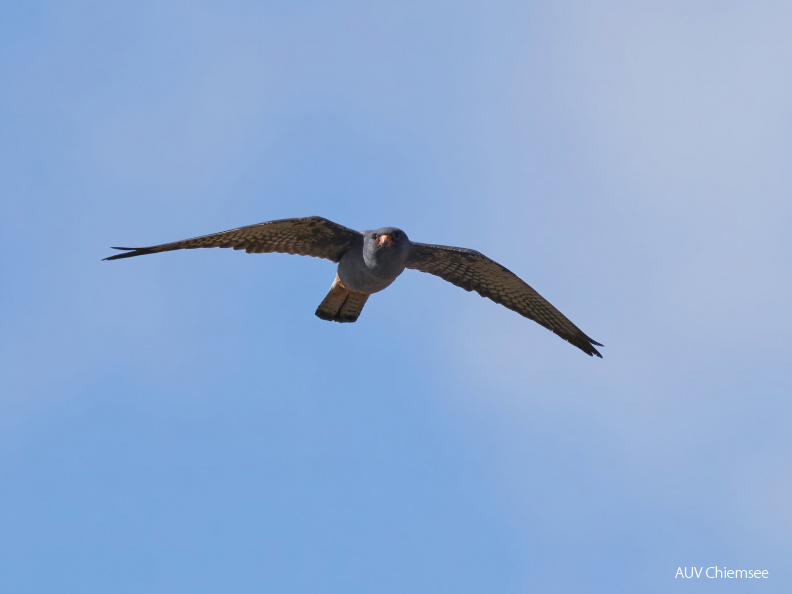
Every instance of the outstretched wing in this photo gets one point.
(308, 236)
(473, 271)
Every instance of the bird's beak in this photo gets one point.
(384, 241)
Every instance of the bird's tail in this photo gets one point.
(341, 304)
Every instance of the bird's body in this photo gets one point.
(370, 261)
(376, 264)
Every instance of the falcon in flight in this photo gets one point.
(369, 261)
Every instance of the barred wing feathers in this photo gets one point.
(473, 271)
(308, 236)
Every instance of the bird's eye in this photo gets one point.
(396, 235)
(373, 236)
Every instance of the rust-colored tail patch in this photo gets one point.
(341, 304)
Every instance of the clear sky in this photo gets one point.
(184, 423)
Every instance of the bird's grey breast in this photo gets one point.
(376, 261)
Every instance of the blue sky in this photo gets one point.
(184, 423)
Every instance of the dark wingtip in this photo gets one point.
(591, 351)
(130, 252)
(585, 344)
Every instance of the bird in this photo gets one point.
(369, 261)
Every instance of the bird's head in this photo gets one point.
(387, 244)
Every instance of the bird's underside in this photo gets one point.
(341, 304)
(393, 251)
